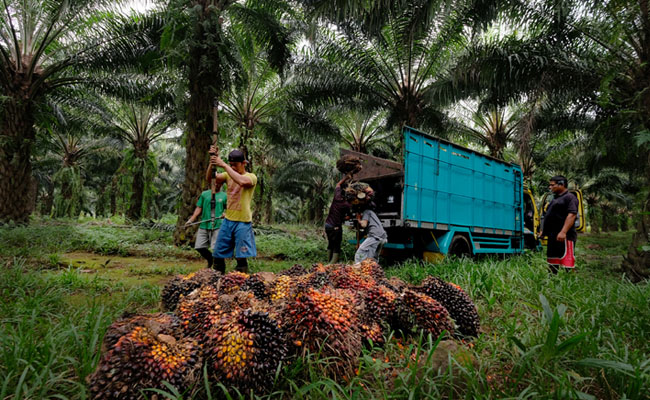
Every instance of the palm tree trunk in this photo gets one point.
(137, 188)
(197, 142)
(113, 198)
(268, 206)
(636, 264)
(48, 199)
(17, 136)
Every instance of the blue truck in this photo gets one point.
(446, 199)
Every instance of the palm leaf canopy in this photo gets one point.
(45, 45)
(394, 71)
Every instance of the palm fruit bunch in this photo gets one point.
(349, 277)
(372, 331)
(232, 282)
(359, 193)
(324, 321)
(371, 268)
(419, 311)
(281, 287)
(461, 308)
(257, 285)
(318, 279)
(379, 303)
(141, 359)
(163, 323)
(295, 270)
(184, 284)
(244, 351)
(200, 311)
(348, 164)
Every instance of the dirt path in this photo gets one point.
(131, 270)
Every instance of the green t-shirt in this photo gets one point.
(206, 212)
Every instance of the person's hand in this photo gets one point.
(214, 150)
(217, 161)
(561, 237)
(189, 221)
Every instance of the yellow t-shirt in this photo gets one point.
(238, 206)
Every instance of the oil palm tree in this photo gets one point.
(198, 39)
(47, 48)
(363, 133)
(138, 125)
(393, 72)
(391, 57)
(493, 128)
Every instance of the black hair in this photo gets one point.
(560, 180)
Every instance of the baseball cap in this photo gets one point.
(236, 156)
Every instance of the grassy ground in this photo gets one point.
(579, 335)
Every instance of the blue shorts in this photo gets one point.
(235, 236)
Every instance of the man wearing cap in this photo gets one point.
(236, 233)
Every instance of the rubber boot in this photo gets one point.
(219, 265)
(335, 258)
(207, 254)
(242, 265)
(329, 256)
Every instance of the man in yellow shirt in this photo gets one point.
(236, 233)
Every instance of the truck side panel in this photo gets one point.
(447, 185)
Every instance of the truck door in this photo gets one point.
(531, 220)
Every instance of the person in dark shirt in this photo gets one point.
(559, 226)
(337, 214)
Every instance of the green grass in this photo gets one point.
(575, 335)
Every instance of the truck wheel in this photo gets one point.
(460, 247)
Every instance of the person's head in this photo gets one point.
(237, 161)
(216, 186)
(557, 184)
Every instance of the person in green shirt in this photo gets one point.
(210, 206)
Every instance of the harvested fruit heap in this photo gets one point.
(144, 358)
(242, 327)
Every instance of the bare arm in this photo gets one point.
(197, 212)
(568, 223)
(342, 181)
(240, 179)
(362, 222)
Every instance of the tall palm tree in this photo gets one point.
(140, 126)
(198, 40)
(45, 48)
(361, 132)
(71, 149)
(493, 128)
(394, 71)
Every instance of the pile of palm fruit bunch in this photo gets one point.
(243, 328)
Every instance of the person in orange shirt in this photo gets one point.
(236, 235)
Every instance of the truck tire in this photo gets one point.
(459, 247)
